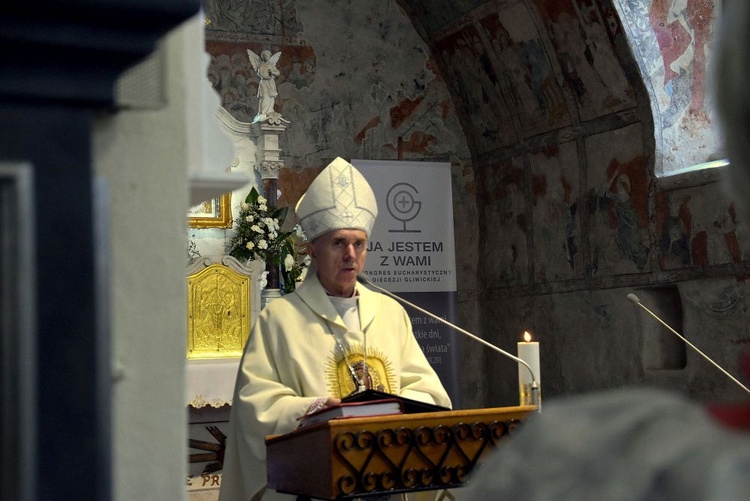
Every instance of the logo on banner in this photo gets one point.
(403, 206)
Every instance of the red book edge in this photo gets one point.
(325, 410)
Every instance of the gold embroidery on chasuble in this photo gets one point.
(339, 369)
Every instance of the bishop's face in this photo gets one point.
(339, 256)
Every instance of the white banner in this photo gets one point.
(411, 247)
(411, 251)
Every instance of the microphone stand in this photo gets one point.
(363, 385)
(637, 301)
(363, 279)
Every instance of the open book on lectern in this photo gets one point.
(410, 406)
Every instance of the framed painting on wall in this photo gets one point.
(214, 213)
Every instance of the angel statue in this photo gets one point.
(265, 66)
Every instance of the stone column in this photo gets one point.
(269, 164)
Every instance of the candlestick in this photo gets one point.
(528, 351)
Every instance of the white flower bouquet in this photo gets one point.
(259, 237)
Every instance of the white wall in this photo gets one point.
(143, 155)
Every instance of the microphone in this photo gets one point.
(365, 280)
(637, 301)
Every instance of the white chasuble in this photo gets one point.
(300, 349)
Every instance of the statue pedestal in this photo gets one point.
(268, 153)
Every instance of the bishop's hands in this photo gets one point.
(322, 403)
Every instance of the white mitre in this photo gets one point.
(339, 198)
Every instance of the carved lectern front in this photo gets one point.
(356, 457)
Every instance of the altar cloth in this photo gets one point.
(211, 382)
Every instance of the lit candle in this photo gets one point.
(528, 351)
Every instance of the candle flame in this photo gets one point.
(526, 336)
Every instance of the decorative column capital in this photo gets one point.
(269, 169)
(272, 119)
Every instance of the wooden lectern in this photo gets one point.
(359, 457)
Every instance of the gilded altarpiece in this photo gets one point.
(219, 315)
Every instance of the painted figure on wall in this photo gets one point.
(675, 240)
(477, 82)
(554, 210)
(587, 57)
(628, 239)
(537, 96)
(672, 41)
(265, 67)
(682, 30)
(710, 236)
(724, 229)
(615, 208)
(505, 250)
(558, 235)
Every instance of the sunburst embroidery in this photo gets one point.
(380, 372)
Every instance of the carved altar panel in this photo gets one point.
(219, 310)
